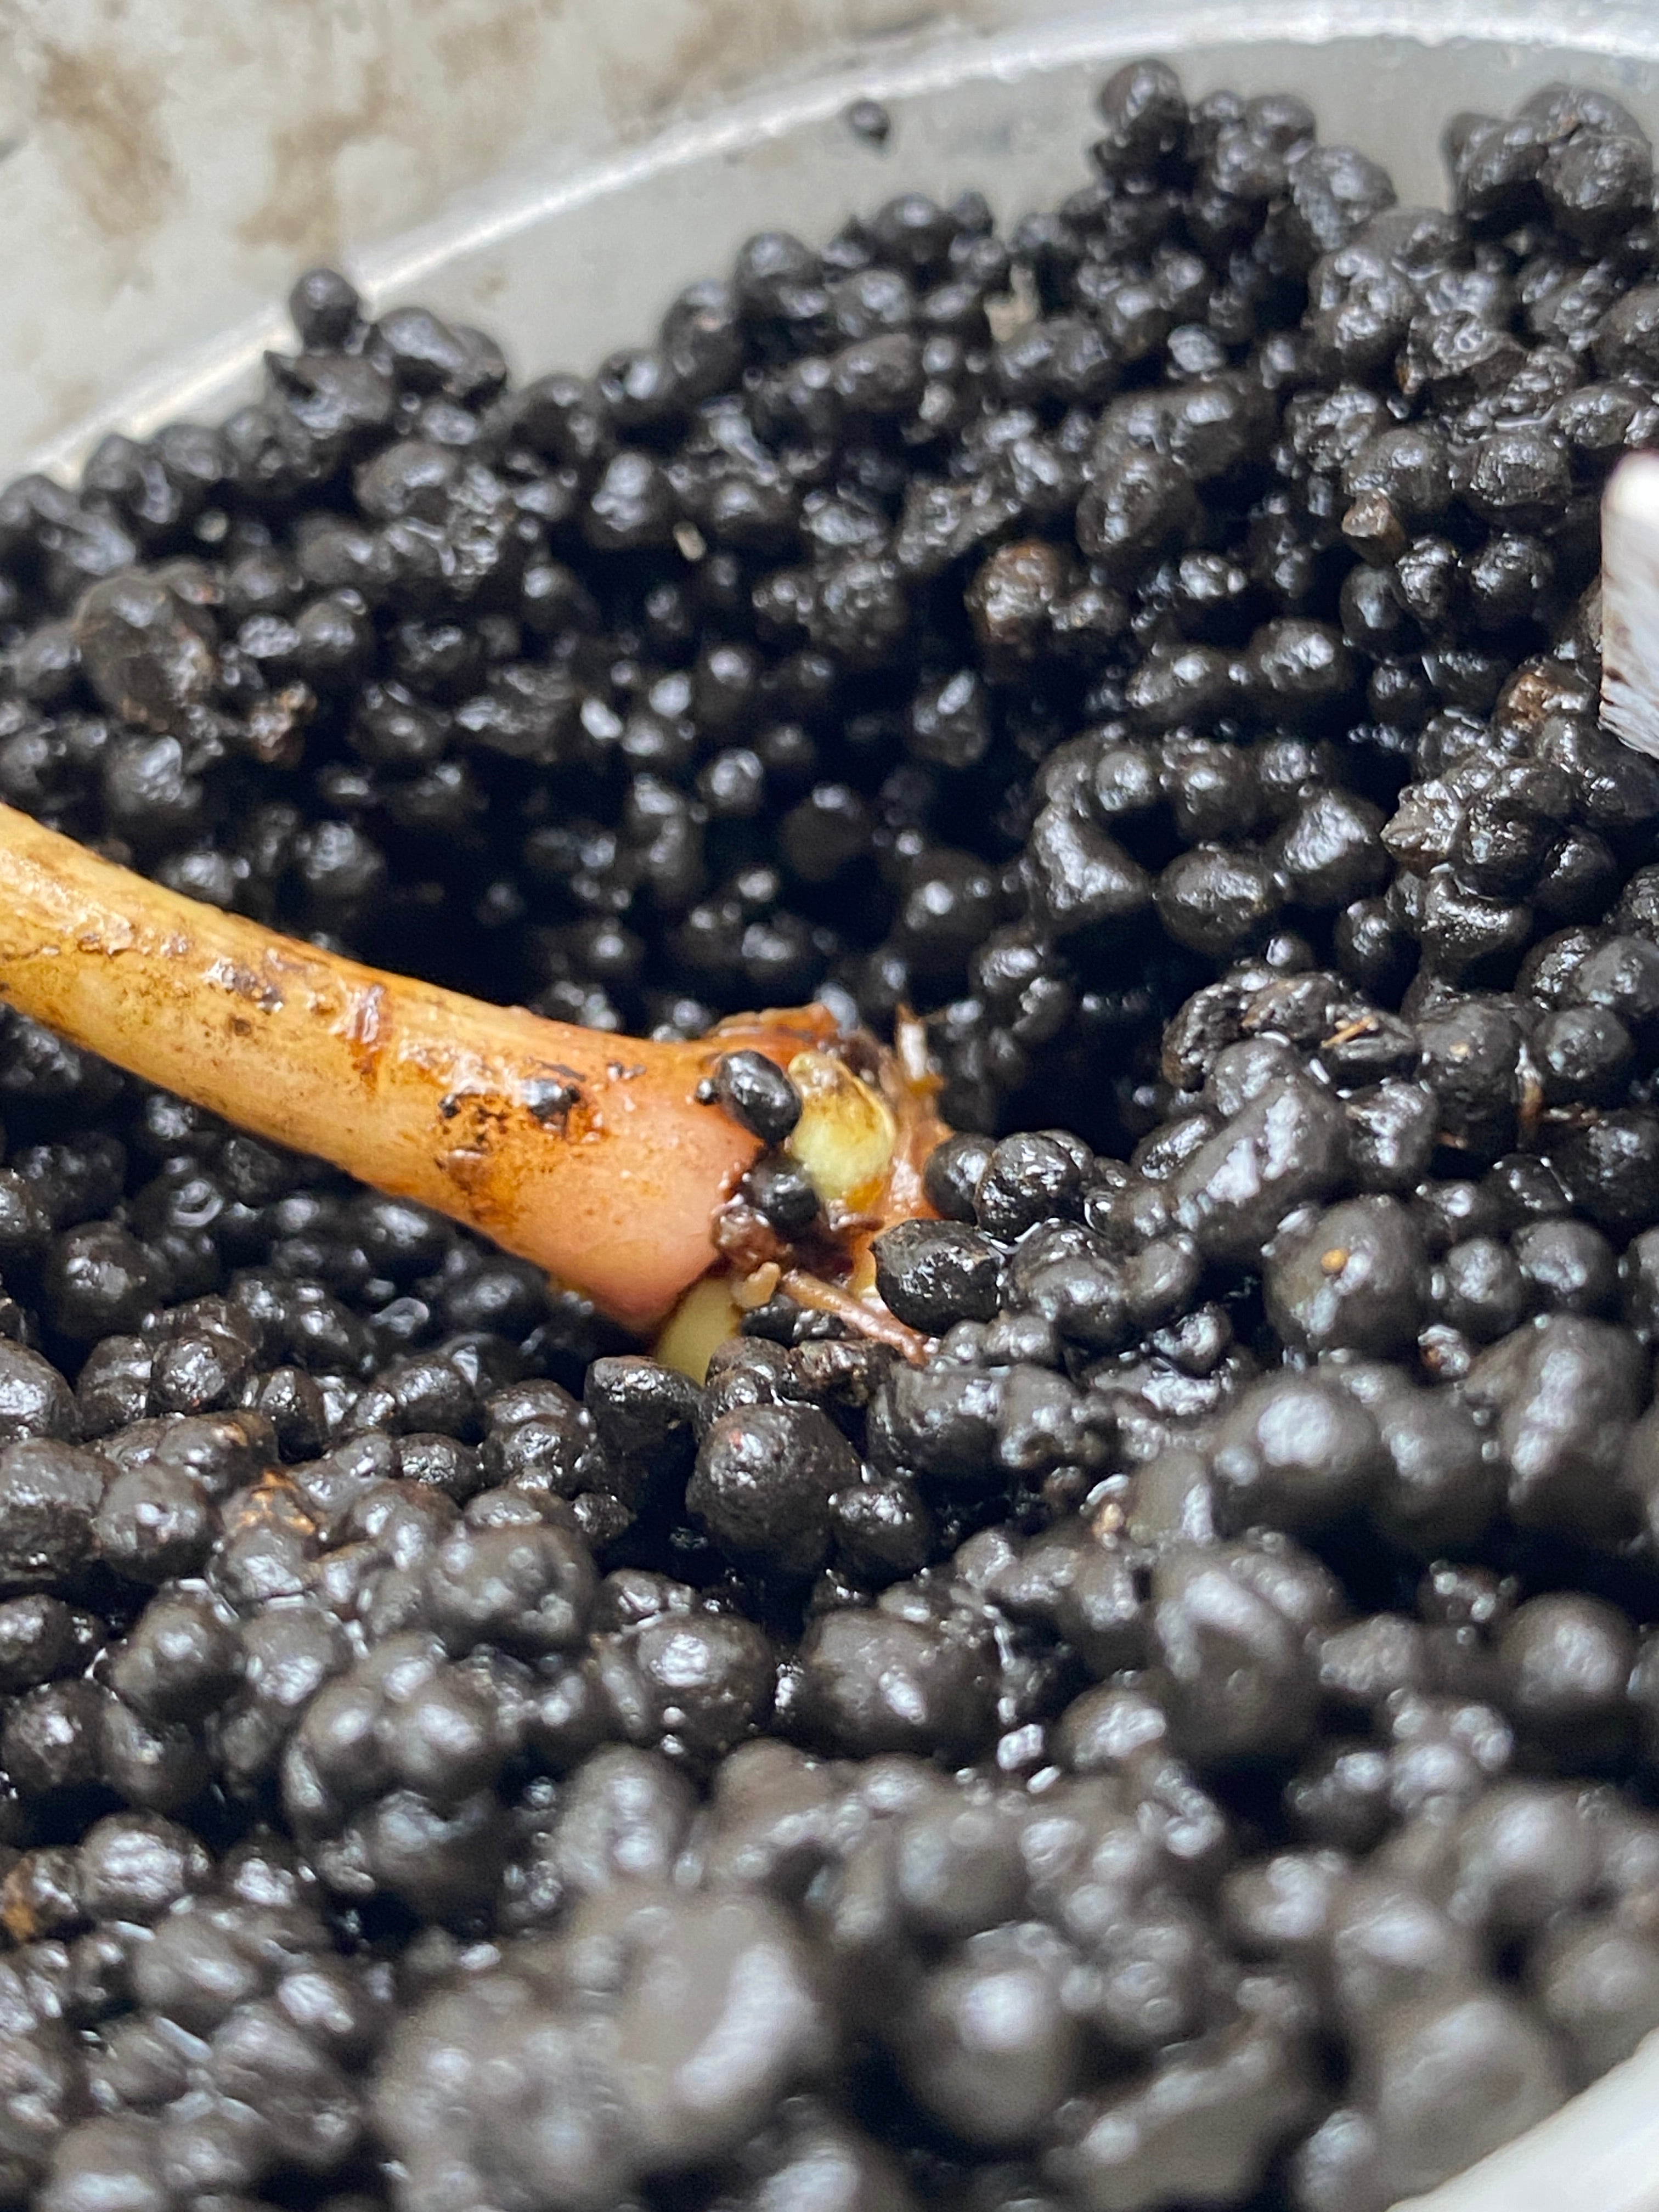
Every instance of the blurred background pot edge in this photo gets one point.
(164, 173)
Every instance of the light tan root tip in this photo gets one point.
(868, 1316)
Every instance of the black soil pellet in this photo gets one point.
(756, 1091)
(869, 120)
(1192, 1738)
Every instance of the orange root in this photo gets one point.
(591, 1155)
(588, 1153)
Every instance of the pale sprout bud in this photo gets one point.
(845, 1136)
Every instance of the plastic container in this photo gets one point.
(556, 169)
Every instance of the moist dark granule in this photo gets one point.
(1192, 1739)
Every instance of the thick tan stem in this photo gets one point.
(588, 1153)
